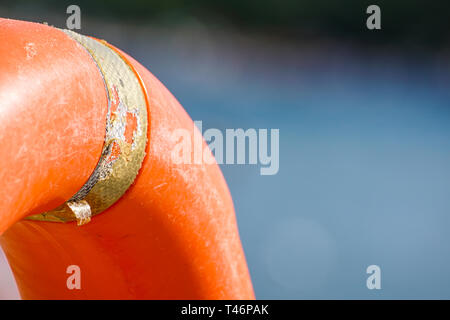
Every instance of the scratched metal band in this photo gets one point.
(125, 139)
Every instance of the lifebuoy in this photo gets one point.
(168, 233)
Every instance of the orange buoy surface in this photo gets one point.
(173, 233)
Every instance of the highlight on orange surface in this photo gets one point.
(172, 235)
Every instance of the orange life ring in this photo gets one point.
(171, 235)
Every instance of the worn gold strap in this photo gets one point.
(125, 139)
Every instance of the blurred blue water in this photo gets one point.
(364, 161)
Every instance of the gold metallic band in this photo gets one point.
(125, 139)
